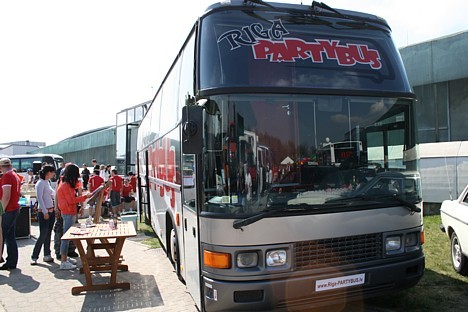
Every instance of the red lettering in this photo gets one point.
(344, 56)
(262, 49)
(329, 47)
(371, 57)
(291, 49)
(162, 163)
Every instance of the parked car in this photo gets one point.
(454, 215)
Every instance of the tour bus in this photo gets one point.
(34, 162)
(226, 167)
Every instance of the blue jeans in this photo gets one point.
(68, 221)
(45, 232)
(9, 237)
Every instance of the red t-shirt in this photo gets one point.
(94, 182)
(67, 199)
(133, 183)
(117, 183)
(126, 190)
(11, 178)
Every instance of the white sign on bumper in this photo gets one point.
(340, 282)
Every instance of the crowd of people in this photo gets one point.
(58, 209)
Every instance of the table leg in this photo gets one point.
(84, 261)
(115, 257)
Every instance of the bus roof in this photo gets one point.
(33, 155)
(317, 8)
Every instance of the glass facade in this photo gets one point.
(441, 111)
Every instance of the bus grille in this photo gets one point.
(338, 251)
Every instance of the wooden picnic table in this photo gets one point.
(100, 237)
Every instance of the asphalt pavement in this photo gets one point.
(44, 287)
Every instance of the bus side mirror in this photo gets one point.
(192, 129)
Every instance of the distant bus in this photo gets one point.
(34, 161)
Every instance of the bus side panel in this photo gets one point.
(165, 190)
(157, 210)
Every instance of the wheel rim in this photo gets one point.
(173, 246)
(456, 252)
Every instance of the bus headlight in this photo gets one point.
(247, 260)
(276, 257)
(392, 243)
(411, 239)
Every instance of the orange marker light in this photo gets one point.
(177, 219)
(422, 237)
(217, 260)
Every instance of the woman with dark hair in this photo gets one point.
(67, 201)
(45, 213)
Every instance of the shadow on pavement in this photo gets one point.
(19, 282)
(143, 293)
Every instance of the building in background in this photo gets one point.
(114, 145)
(19, 147)
(438, 73)
(82, 148)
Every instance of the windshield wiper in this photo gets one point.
(352, 22)
(303, 19)
(261, 3)
(238, 224)
(320, 5)
(411, 207)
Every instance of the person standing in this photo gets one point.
(95, 164)
(67, 201)
(31, 178)
(59, 170)
(85, 176)
(103, 173)
(1, 234)
(9, 193)
(58, 226)
(116, 192)
(46, 215)
(94, 182)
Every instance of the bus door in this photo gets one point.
(191, 242)
(143, 191)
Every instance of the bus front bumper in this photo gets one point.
(297, 293)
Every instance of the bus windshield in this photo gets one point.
(308, 150)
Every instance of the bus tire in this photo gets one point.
(459, 260)
(174, 252)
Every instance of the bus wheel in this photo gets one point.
(459, 260)
(175, 258)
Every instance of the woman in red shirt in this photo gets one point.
(67, 201)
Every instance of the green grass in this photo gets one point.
(152, 241)
(441, 288)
